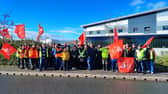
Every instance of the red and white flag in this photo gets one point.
(20, 31)
(125, 64)
(5, 33)
(7, 50)
(116, 49)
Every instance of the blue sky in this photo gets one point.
(61, 19)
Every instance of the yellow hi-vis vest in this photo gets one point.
(140, 54)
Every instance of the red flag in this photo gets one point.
(7, 50)
(116, 49)
(115, 35)
(125, 64)
(20, 31)
(82, 38)
(41, 31)
(5, 33)
(148, 42)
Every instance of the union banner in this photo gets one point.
(125, 64)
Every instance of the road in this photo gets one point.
(49, 85)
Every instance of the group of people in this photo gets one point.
(90, 57)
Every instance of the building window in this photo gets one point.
(111, 31)
(90, 33)
(98, 32)
(135, 29)
(147, 29)
(120, 30)
(165, 27)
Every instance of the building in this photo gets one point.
(136, 28)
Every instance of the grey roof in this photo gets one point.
(125, 17)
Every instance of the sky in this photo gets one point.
(61, 19)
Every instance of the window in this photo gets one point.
(98, 32)
(90, 33)
(165, 27)
(135, 29)
(147, 29)
(111, 31)
(120, 30)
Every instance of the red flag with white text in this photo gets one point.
(125, 64)
(7, 50)
(116, 49)
(20, 31)
(41, 31)
(5, 33)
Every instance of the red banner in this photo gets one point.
(116, 49)
(7, 50)
(41, 31)
(125, 64)
(20, 31)
(82, 38)
(5, 33)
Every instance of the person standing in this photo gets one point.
(140, 58)
(91, 56)
(43, 53)
(26, 59)
(58, 56)
(74, 59)
(33, 55)
(82, 56)
(18, 52)
(104, 54)
(99, 57)
(151, 60)
(65, 58)
(132, 54)
(22, 60)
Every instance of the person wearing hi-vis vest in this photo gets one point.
(105, 54)
(151, 60)
(33, 57)
(18, 52)
(22, 60)
(140, 58)
(82, 57)
(43, 54)
(65, 58)
(58, 56)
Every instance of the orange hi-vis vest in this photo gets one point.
(58, 52)
(22, 53)
(33, 53)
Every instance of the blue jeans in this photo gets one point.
(114, 65)
(140, 66)
(43, 62)
(151, 69)
(89, 63)
(59, 63)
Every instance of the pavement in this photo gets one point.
(94, 74)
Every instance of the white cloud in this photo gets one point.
(137, 2)
(68, 30)
(157, 5)
(138, 8)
